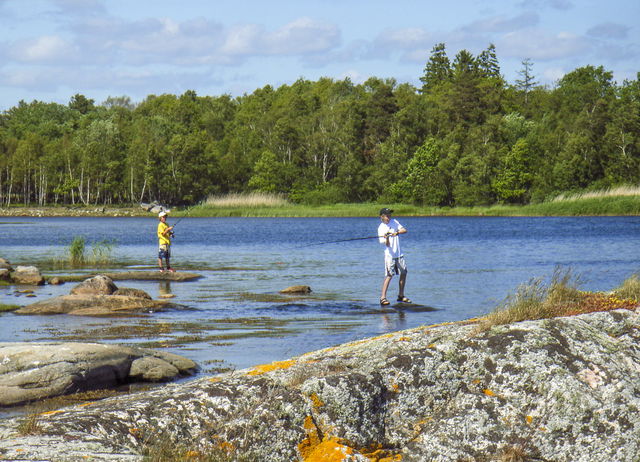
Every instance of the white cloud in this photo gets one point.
(542, 45)
(44, 49)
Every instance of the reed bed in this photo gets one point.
(251, 200)
(620, 191)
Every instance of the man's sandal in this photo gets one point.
(404, 300)
(384, 301)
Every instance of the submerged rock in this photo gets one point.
(564, 389)
(296, 290)
(33, 371)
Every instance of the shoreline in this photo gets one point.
(609, 207)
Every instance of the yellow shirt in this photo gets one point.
(163, 238)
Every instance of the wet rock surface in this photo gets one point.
(564, 389)
(296, 290)
(33, 371)
(98, 296)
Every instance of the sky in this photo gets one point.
(51, 50)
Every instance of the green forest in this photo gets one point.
(465, 137)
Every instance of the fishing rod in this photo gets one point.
(342, 240)
(186, 214)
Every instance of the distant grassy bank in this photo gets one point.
(603, 204)
(618, 202)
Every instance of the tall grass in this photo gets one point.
(253, 199)
(620, 191)
(101, 253)
(76, 251)
(561, 296)
(630, 288)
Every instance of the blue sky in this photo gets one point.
(53, 49)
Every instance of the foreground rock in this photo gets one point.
(33, 371)
(98, 296)
(565, 389)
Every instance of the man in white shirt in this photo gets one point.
(394, 263)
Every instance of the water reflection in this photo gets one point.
(164, 289)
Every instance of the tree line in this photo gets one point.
(465, 137)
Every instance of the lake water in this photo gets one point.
(461, 267)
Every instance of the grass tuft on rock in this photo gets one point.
(561, 296)
(629, 289)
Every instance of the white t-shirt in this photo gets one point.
(393, 249)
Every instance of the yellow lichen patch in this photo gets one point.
(315, 400)
(276, 365)
(529, 419)
(192, 454)
(488, 392)
(311, 441)
(476, 381)
(51, 412)
(395, 387)
(86, 404)
(215, 379)
(404, 339)
(431, 345)
(226, 446)
(329, 450)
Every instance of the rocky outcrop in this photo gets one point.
(33, 371)
(98, 296)
(564, 389)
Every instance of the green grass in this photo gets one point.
(4, 307)
(591, 206)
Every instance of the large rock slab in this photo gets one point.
(565, 389)
(95, 305)
(33, 371)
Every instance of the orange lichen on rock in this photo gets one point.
(488, 392)
(315, 399)
(329, 450)
(276, 365)
(307, 445)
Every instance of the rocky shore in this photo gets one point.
(564, 390)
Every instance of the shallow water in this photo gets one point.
(459, 267)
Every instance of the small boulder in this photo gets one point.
(5, 274)
(97, 285)
(296, 290)
(27, 275)
(131, 292)
(4, 264)
(55, 281)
